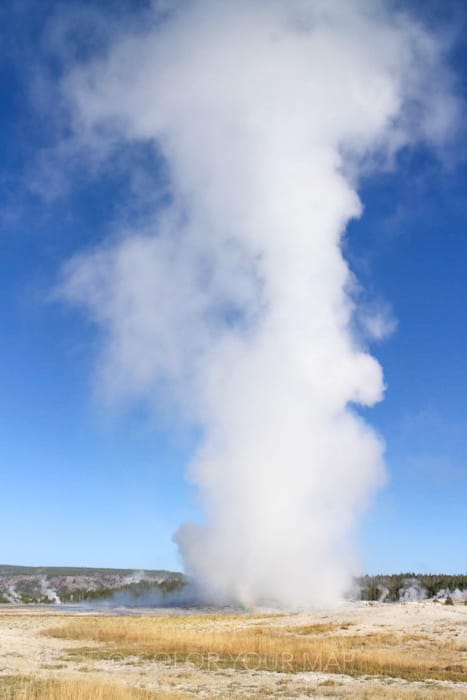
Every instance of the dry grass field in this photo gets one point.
(20, 688)
(416, 650)
(245, 643)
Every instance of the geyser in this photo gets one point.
(236, 300)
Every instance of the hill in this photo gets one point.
(50, 584)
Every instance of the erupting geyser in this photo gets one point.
(237, 296)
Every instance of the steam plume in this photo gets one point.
(237, 296)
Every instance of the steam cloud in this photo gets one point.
(236, 300)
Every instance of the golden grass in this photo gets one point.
(320, 627)
(214, 642)
(24, 688)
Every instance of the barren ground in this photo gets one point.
(26, 649)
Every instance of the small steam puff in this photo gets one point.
(383, 593)
(237, 296)
(11, 595)
(48, 592)
(412, 592)
(456, 594)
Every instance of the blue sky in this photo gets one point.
(415, 247)
(82, 487)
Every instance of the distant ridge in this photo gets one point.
(44, 585)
